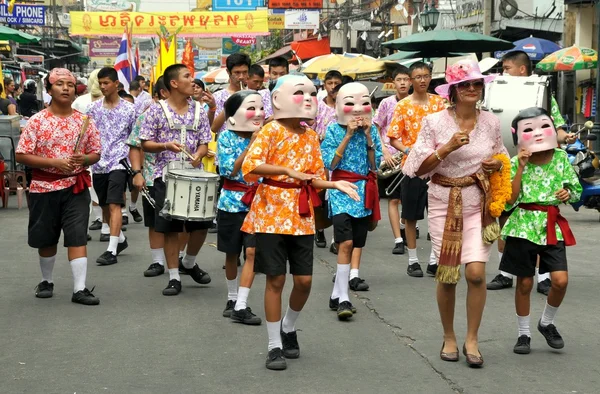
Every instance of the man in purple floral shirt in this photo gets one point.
(157, 137)
(326, 109)
(114, 117)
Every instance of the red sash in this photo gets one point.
(307, 193)
(235, 186)
(554, 218)
(371, 190)
(83, 180)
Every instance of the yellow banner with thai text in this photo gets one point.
(192, 24)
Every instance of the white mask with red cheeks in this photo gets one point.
(536, 134)
(249, 117)
(294, 97)
(353, 101)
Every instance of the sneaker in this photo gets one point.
(182, 270)
(107, 258)
(333, 248)
(154, 269)
(173, 288)
(291, 349)
(414, 270)
(523, 345)
(89, 237)
(135, 214)
(228, 308)
(245, 316)
(85, 297)
(500, 282)
(399, 248)
(125, 220)
(552, 336)
(544, 287)
(335, 302)
(431, 269)
(358, 284)
(96, 225)
(198, 275)
(104, 237)
(44, 289)
(122, 246)
(275, 360)
(344, 310)
(320, 240)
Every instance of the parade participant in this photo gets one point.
(383, 118)
(6, 106)
(159, 137)
(351, 149)
(455, 148)
(115, 118)
(53, 144)
(278, 67)
(245, 116)
(256, 78)
(143, 83)
(542, 178)
(403, 133)
(288, 157)
(518, 64)
(199, 89)
(134, 89)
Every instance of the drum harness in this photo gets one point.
(182, 128)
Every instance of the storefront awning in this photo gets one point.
(306, 49)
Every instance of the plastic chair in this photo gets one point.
(14, 181)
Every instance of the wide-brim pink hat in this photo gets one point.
(461, 71)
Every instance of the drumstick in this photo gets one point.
(374, 90)
(188, 154)
(84, 127)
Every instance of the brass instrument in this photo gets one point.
(384, 171)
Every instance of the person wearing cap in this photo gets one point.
(58, 146)
(456, 149)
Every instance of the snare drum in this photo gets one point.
(191, 194)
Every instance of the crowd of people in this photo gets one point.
(275, 148)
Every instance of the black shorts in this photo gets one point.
(348, 228)
(413, 194)
(230, 238)
(520, 257)
(110, 187)
(147, 209)
(162, 225)
(274, 250)
(49, 213)
(384, 184)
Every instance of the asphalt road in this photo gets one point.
(138, 341)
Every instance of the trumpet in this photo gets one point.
(385, 171)
(145, 192)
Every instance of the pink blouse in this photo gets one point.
(436, 130)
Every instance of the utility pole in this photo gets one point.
(487, 21)
(346, 12)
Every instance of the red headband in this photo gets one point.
(61, 73)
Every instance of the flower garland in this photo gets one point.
(501, 186)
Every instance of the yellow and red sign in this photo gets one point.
(193, 24)
(277, 22)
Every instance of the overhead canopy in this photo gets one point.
(308, 49)
(6, 33)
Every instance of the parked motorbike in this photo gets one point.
(585, 164)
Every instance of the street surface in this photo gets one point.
(139, 341)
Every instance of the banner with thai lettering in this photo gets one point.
(192, 24)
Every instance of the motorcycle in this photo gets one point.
(585, 164)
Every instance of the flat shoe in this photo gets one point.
(472, 360)
(452, 357)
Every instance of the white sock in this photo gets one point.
(340, 288)
(332, 239)
(112, 245)
(548, 315)
(47, 265)
(500, 256)
(121, 237)
(398, 240)
(105, 229)
(132, 206)
(506, 275)
(412, 256)
(274, 335)
(79, 269)
(181, 254)
(242, 300)
(432, 258)
(158, 256)
(402, 226)
(353, 273)
(417, 227)
(232, 291)
(523, 325)
(189, 261)
(97, 212)
(289, 320)
(542, 277)
(174, 274)
(124, 211)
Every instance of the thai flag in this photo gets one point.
(135, 62)
(122, 64)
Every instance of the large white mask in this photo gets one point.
(353, 101)
(249, 116)
(294, 96)
(535, 130)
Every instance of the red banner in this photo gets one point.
(296, 4)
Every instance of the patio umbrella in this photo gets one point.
(322, 64)
(363, 68)
(569, 59)
(6, 33)
(220, 73)
(535, 47)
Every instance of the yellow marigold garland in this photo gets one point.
(501, 186)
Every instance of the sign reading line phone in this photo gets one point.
(237, 5)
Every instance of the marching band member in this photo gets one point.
(256, 81)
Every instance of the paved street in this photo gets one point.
(138, 341)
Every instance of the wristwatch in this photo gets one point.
(371, 147)
(135, 172)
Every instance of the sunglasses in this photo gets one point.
(469, 84)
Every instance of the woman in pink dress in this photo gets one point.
(455, 149)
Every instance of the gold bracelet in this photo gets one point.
(338, 154)
(437, 155)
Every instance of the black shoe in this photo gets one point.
(414, 270)
(428, 237)
(403, 233)
(275, 360)
(135, 214)
(245, 316)
(122, 246)
(399, 248)
(523, 345)
(228, 308)
(173, 288)
(198, 275)
(291, 349)
(96, 225)
(358, 284)
(107, 258)
(344, 310)
(417, 233)
(320, 240)
(154, 269)
(85, 297)
(125, 220)
(333, 248)
(213, 229)
(334, 303)
(544, 287)
(182, 270)
(44, 289)
(104, 237)
(89, 237)
(500, 282)
(431, 269)
(552, 336)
